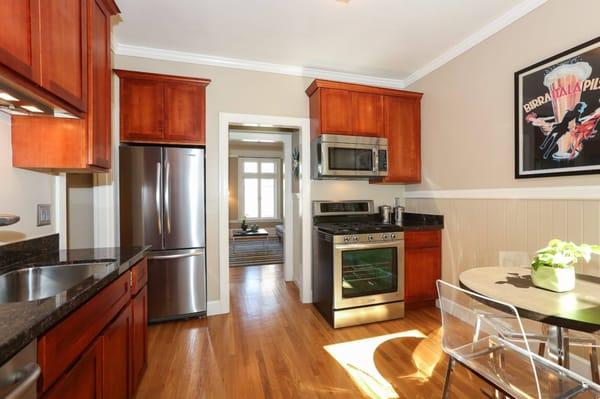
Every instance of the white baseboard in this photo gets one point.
(214, 308)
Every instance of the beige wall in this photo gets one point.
(468, 143)
(468, 104)
(20, 192)
(248, 92)
(80, 210)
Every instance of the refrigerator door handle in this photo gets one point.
(167, 197)
(157, 197)
(177, 256)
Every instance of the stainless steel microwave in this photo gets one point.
(349, 157)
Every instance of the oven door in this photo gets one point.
(348, 159)
(368, 274)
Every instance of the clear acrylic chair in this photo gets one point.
(492, 351)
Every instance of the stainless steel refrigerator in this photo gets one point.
(162, 203)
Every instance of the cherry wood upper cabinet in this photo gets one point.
(63, 33)
(185, 106)
(20, 38)
(74, 144)
(142, 109)
(402, 123)
(367, 114)
(99, 110)
(423, 261)
(158, 108)
(336, 111)
(351, 109)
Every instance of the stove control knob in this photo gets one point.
(355, 238)
(384, 237)
(370, 237)
(393, 236)
(346, 239)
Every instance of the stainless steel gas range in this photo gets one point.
(358, 264)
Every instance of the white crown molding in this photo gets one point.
(225, 62)
(549, 193)
(515, 13)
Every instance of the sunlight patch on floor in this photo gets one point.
(357, 358)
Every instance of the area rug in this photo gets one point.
(255, 252)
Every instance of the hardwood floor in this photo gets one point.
(273, 346)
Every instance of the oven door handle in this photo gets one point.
(371, 245)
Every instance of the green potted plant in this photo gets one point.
(553, 267)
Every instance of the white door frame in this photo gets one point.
(303, 124)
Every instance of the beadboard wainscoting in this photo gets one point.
(489, 232)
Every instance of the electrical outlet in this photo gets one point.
(44, 217)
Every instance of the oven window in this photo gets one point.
(369, 272)
(350, 159)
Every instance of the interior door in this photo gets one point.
(141, 196)
(183, 179)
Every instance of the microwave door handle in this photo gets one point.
(375, 160)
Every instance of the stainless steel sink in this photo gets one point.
(35, 283)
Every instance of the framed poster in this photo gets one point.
(557, 110)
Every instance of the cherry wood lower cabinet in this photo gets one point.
(84, 379)
(116, 354)
(99, 350)
(422, 267)
(139, 336)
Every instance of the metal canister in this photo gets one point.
(385, 211)
(398, 212)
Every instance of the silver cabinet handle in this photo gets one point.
(25, 378)
(176, 256)
(167, 197)
(157, 197)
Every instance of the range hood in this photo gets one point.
(15, 100)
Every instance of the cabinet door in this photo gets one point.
(142, 110)
(336, 111)
(367, 114)
(63, 33)
(422, 269)
(19, 41)
(184, 113)
(403, 131)
(139, 336)
(99, 135)
(84, 379)
(116, 351)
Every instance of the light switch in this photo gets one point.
(44, 217)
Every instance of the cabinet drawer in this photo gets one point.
(62, 345)
(139, 276)
(423, 239)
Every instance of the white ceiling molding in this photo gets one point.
(523, 193)
(225, 62)
(471, 41)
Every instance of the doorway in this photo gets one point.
(293, 135)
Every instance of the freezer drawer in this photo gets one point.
(176, 284)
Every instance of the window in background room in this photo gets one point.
(259, 188)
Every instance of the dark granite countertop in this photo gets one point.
(21, 322)
(420, 221)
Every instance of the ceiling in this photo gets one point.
(389, 39)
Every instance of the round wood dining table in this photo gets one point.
(578, 309)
